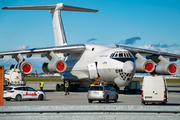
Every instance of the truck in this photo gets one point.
(154, 90)
(13, 77)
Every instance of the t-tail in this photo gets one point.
(55, 10)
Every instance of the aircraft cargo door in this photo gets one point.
(93, 74)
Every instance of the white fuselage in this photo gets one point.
(108, 64)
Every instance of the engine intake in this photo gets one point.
(25, 67)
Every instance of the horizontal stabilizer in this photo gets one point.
(59, 6)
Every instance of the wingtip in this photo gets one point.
(4, 7)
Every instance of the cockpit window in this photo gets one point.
(126, 55)
(116, 55)
(121, 54)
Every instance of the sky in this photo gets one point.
(149, 24)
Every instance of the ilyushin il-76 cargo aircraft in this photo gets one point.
(84, 63)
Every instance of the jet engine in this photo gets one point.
(164, 67)
(143, 65)
(25, 67)
(57, 66)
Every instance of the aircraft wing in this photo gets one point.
(56, 49)
(146, 52)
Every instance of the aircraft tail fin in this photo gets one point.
(59, 34)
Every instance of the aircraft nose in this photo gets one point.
(128, 67)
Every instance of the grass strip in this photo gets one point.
(167, 80)
(48, 79)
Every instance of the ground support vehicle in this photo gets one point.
(22, 92)
(13, 77)
(154, 90)
(101, 93)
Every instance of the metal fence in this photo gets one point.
(90, 112)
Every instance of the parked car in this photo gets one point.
(22, 92)
(154, 90)
(102, 93)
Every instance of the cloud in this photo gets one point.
(92, 39)
(22, 47)
(129, 41)
(165, 45)
(176, 51)
(153, 47)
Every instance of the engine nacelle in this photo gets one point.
(57, 66)
(166, 68)
(143, 65)
(25, 67)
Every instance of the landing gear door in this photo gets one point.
(93, 74)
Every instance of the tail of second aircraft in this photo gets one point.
(55, 10)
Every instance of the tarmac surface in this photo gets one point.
(80, 98)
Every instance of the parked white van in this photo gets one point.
(154, 90)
